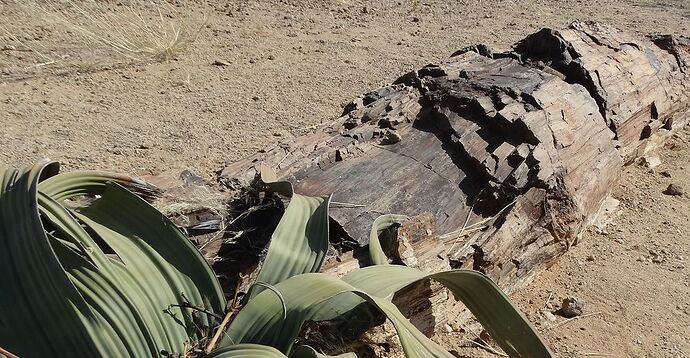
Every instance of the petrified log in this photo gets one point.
(532, 139)
(511, 153)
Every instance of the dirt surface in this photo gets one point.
(259, 70)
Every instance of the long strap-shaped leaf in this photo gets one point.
(492, 308)
(261, 320)
(504, 322)
(43, 313)
(68, 185)
(300, 242)
(305, 296)
(116, 307)
(160, 267)
(247, 350)
(145, 242)
(98, 279)
(383, 222)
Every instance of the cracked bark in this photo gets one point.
(530, 141)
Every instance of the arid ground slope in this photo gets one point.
(259, 70)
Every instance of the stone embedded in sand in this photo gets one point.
(571, 307)
(674, 189)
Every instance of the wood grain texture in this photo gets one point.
(640, 84)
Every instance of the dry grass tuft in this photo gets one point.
(89, 34)
(158, 31)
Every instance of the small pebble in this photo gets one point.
(571, 307)
(674, 189)
(222, 63)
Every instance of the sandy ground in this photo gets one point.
(284, 66)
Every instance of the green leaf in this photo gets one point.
(159, 266)
(299, 243)
(246, 351)
(492, 308)
(107, 304)
(249, 350)
(383, 222)
(43, 313)
(307, 296)
(68, 185)
(321, 297)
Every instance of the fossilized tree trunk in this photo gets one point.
(518, 148)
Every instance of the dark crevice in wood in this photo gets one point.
(478, 259)
(646, 132)
(340, 241)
